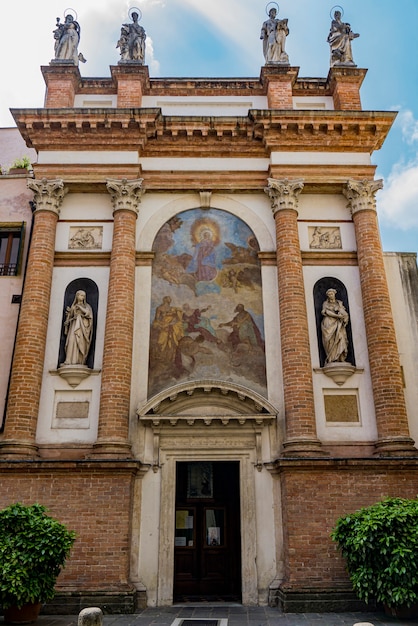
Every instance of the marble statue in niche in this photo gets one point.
(339, 39)
(132, 38)
(78, 327)
(273, 34)
(334, 328)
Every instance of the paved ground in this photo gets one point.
(236, 615)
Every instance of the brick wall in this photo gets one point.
(315, 496)
(92, 499)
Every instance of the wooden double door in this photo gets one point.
(207, 552)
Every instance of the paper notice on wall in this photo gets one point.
(181, 519)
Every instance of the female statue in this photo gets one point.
(78, 328)
(334, 334)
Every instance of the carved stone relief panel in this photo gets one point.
(324, 238)
(85, 238)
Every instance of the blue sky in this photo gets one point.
(220, 38)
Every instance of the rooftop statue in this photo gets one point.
(67, 38)
(340, 38)
(273, 34)
(132, 40)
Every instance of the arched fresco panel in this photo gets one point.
(206, 306)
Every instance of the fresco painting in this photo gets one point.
(206, 307)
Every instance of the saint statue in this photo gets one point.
(273, 34)
(333, 326)
(132, 41)
(78, 328)
(340, 38)
(67, 38)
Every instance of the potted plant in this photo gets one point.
(20, 164)
(33, 549)
(380, 545)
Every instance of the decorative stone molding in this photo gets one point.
(74, 374)
(339, 371)
(361, 194)
(185, 406)
(125, 194)
(283, 193)
(48, 194)
(205, 199)
(190, 401)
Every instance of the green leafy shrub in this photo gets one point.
(33, 549)
(23, 163)
(380, 545)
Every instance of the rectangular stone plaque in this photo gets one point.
(72, 410)
(339, 408)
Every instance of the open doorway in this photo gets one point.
(207, 544)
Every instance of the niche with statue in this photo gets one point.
(333, 326)
(78, 331)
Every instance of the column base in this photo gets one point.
(395, 446)
(303, 448)
(110, 449)
(13, 449)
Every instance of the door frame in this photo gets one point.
(247, 462)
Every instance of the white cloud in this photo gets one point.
(398, 201)
(150, 60)
(409, 126)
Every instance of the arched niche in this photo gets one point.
(319, 292)
(92, 297)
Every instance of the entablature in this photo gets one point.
(151, 133)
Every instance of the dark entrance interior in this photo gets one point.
(207, 552)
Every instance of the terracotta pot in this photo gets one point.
(402, 612)
(25, 615)
(18, 170)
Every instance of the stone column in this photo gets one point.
(28, 362)
(385, 369)
(113, 435)
(301, 437)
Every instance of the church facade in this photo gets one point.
(214, 358)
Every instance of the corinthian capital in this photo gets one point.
(48, 194)
(283, 193)
(361, 194)
(125, 194)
